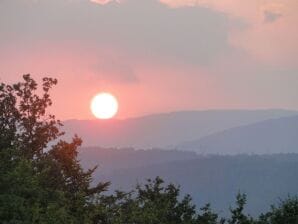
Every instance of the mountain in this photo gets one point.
(266, 137)
(207, 178)
(216, 179)
(109, 159)
(164, 130)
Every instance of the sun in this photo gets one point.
(104, 106)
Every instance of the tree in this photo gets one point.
(286, 212)
(153, 202)
(39, 183)
(238, 217)
(160, 204)
(207, 216)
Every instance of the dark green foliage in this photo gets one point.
(238, 217)
(207, 216)
(23, 198)
(286, 212)
(154, 203)
(39, 183)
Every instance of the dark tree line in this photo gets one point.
(42, 181)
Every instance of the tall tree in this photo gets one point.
(237, 213)
(41, 178)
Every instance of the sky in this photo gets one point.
(155, 56)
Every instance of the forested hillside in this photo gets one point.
(109, 159)
(215, 179)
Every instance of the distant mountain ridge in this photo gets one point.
(207, 178)
(216, 179)
(278, 135)
(165, 130)
(109, 159)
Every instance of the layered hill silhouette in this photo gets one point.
(216, 179)
(208, 178)
(266, 137)
(110, 159)
(165, 130)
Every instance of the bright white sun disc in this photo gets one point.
(104, 106)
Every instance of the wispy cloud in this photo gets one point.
(103, 2)
(272, 11)
(271, 16)
(114, 70)
(183, 3)
(157, 54)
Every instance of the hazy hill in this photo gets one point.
(270, 136)
(109, 159)
(164, 130)
(215, 179)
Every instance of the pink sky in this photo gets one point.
(155, 56)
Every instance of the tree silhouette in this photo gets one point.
(238, 217)
(39, 181)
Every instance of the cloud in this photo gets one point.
(143, 28)
(272, 12)
(193, 35)
(183, 3)
(159, 55)
(271, 16)
(265, 19)
(114, 70)
(103, 2)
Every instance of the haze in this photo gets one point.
(155, 56)
(155, 100)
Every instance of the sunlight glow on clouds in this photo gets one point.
(271, 30)
(268, 23)
(182, 3)
(103, 2)
(156, 55)
(272, 11)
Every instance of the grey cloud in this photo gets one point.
(116, 71)
(191, 34)
(103, 2)
(271, 16)
(196, 35)
(149, 29)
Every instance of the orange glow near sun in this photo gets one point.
(104, 106)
